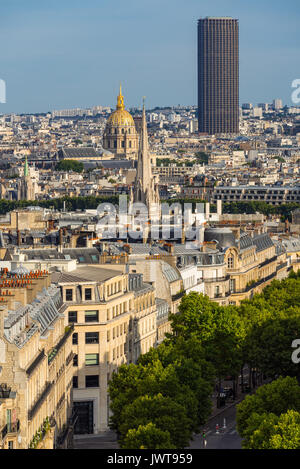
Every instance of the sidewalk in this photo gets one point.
(229, 403)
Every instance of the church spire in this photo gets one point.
(120, 101)
(144, 188)
(26, 171)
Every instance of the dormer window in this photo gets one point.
(230, 262)
(69, 294)
(88, 294)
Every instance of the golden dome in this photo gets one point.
(120, 117)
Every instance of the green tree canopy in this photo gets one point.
(147, 437)
(70, 165)
(163, 412)
(276, 398)
(219, 329)
(270, 431)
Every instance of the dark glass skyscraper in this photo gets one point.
(218, 75)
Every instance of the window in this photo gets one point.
(92, 381)
(81, 259)
(75, 360)
(91, 316)
(230, 262)
(75, 381)
(75, 339)
(69, 294)
(10, 445)
(72, 316)
(92, 359)
(88, 294)
(92, 338)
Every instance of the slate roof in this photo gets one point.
(262, 241)
(82, 255)
(82, 152)
(245, 241)
(85, 274)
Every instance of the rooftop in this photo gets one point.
(84, 275)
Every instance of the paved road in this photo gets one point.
(227, 438)
(105, 441)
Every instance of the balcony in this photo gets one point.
(55, 350)
(178, 295)
(10, 428)
(268, 261)
(255, 284)
(216, 279)
(36, 362)
(281, 266)
(43, 395)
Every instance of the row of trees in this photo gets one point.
(164, 398)
(284, 211)
(89, 202)
(173, 382)
(71, 203)
(270, 418)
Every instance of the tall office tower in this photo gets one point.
(218, 75)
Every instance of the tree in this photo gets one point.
(270, 431)
(70, 165)
(202, 157)
(151, 379)
(147, 437)
(164, 412)
(123, 389)
(220, 331)
(192, 370)
(268, 345)
(277, 398)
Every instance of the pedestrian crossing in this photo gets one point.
(231, 432)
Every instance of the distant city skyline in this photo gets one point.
(72, 54)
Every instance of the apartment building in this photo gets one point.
(114, 317)
(35, 363)
(274, 195)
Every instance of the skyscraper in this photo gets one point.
(218, 75)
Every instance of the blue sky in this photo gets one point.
(71, 53)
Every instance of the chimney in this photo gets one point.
(19, 238)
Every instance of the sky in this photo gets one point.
(64, 54)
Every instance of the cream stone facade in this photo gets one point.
(114, 315)
(35, 363)
(24, 219)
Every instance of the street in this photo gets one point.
(227, 438)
